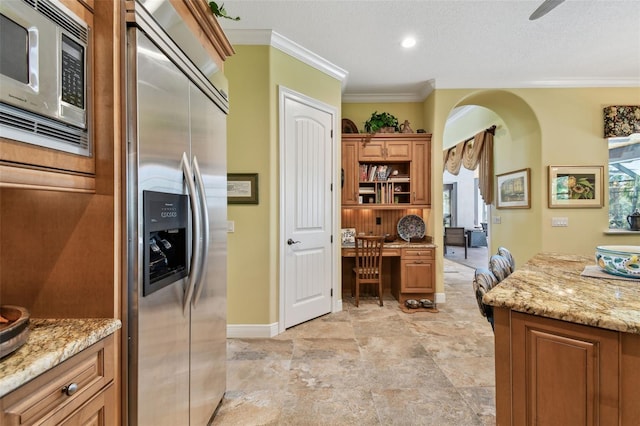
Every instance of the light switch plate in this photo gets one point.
(560, 221)
(497, 219)
(231, 226)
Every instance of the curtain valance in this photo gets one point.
(472, 153)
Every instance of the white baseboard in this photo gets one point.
(247, 331)
(252, 330)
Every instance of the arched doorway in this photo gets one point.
(516, 146)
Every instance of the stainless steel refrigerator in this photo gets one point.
(176, 224)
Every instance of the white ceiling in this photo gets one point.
(460, 43)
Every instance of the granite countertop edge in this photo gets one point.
(551, 285)
(400, 244)
(50, 342)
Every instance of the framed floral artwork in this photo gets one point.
(514, 190)
(575, 186)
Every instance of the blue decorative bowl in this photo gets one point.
(619, 260)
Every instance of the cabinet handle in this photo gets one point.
(418, 261)
(70, 389)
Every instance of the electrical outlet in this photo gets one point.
(560, 221)
(497, 219)
(231, 226)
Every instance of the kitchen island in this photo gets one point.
(567, 346)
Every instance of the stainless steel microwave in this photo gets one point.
(44, 93)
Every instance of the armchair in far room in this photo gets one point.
(454, 236)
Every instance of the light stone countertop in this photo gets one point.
(550, 285)
(50, 342)
(401, 244)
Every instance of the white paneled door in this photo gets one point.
(306, 207)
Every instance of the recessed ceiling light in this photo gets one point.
(408, 42)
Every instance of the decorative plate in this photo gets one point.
(349, 126)
(411, 226)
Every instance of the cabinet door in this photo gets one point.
(417, 276)
(350, 173)
(421, 173)
(98, 411)
(25, 165)
(398, 151)
(371, 151)
(563, 373)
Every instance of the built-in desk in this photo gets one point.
(408, 270)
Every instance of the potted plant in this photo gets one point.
(381, 122)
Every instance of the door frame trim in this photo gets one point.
(285, 93)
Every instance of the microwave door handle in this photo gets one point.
(205, 231)
(195, 240)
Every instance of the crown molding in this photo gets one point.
(418, 96)
(291, 48)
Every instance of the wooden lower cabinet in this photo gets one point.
(551, 372)
(79, 391)
(417, 271)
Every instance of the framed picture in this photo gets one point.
(242, 188)
(514, 190)
(575, 186)
(348, 236)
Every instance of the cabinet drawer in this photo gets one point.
(348, 252)
(419, 253)
(46, 396)
(391, 251)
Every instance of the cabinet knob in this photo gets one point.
(70, 389)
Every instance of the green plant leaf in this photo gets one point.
(220, 11)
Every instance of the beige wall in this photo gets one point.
(542, 127)
(254, 74)
(539, 127)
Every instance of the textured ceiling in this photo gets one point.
(460, 43)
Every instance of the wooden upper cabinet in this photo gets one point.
(421, 173)
(406, 155)
(23, 165)
(349, 177)
(385, 150)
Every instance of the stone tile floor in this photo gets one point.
(370, 365)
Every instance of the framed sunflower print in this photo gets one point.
(576, 186)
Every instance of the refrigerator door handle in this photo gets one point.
(196, 249)
(205, 230)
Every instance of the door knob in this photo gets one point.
(291, 242)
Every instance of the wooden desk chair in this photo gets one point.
(368, 269)
(455, 237)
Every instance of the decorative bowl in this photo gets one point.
(412, 304)
(14, 333)
(623, 261)
(388, 238)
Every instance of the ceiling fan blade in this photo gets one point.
(546, 7)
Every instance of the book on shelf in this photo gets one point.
(399, 178)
